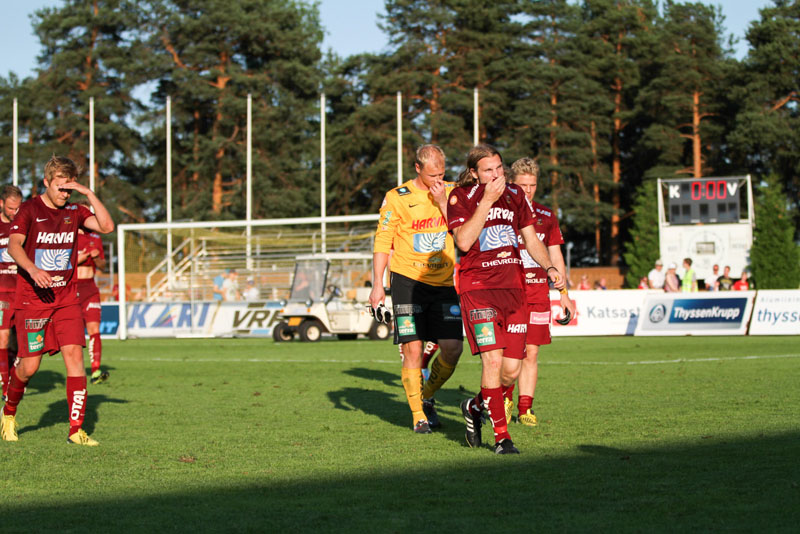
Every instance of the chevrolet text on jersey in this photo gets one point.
(55, 237)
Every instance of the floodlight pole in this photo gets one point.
(399, 138)
(249, 179)
(91, 143)
(475, 117)
(322, 177)
(15, 149)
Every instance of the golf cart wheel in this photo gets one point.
(379, 331)
(282, 332)
(311, 330)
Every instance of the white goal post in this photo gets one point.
(297, 236)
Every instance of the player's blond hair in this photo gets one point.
(524, 166)
(428, 153)
(62, 165)
(476, 153)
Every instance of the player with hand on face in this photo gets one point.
(10, 200)
(486, 216)
(44, 244)
(525, 174)
(412, 227)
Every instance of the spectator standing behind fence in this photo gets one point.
(230, 287)
(656, 275)
(689, 280)
(218, 281)
(711, 281)
(725, 282)
(643, 283)
(671, 282)
(742, 284)
(600, 284)
(251, 292)
(584, 285)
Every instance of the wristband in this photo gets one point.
(563, 290)
(548, 269)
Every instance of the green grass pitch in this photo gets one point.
(245, 435)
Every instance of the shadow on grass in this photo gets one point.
(388, 408)
(58, 413)
(738, 485)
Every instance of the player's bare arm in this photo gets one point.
(378, 294)
(40, 278)
(466, 234)
(558, 262)
(101, 222)
(539, 253)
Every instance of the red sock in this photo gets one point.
(508, 392)
(4, 369)
(76, 401)
(525, 403)
(497, 412)
(16, 389)
(95, 351)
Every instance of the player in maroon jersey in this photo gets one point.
(90, 259)
(525, 174)
(486, 215)
(10, 200)
(43, 243)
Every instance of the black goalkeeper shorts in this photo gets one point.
(422, 311)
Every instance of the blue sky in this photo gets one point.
(351, 27)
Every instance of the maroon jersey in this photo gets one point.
(51, 244)
(493, 261)
(8, 269)
(546, 227)
(88, 241)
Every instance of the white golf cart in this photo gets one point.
(322, 299)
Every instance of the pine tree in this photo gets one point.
(766, 137)
(209, 56)
(774, 256)
(89, 50)
(642, 250)
(684, 97)
(621, 40)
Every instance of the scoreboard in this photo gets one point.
(707, 219)
(704, 200)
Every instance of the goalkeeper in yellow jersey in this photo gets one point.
(413, 228)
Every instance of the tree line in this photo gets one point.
(608, 95)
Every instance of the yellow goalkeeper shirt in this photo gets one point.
(412, 226)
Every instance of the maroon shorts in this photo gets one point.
(90, 302)
(538, 324)
(495, 319)
(45, 331)
(6, 311)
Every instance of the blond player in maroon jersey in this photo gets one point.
(525, 174)
(43, 243)
(10, 200)
(90, 259)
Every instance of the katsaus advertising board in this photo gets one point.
(776, 313)
(717, 313)
(599, 313)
